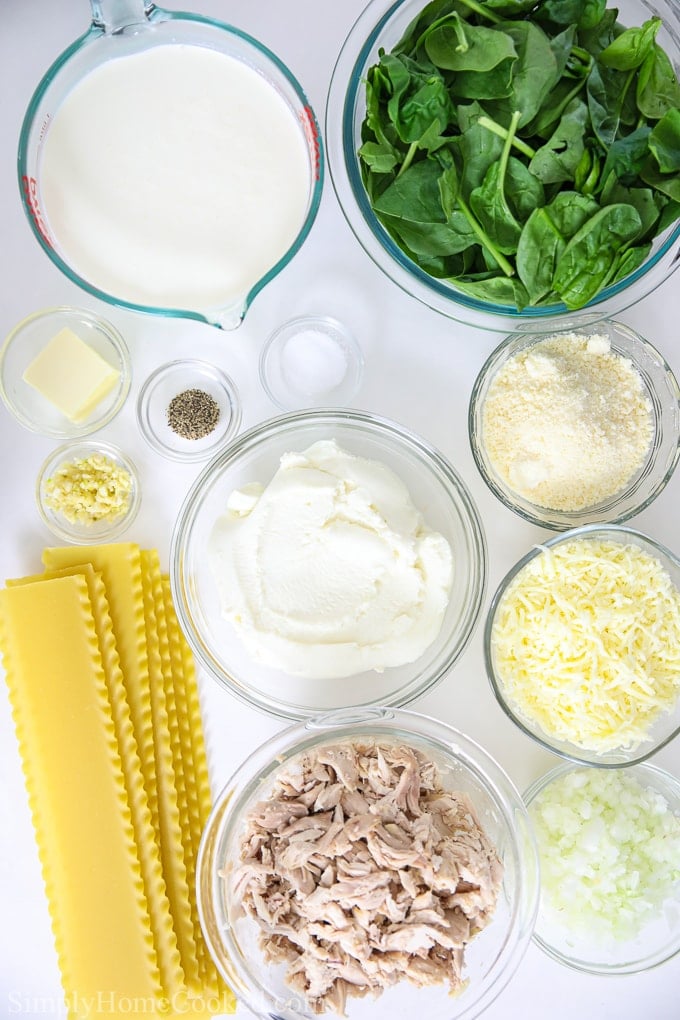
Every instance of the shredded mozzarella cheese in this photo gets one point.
(586, 643)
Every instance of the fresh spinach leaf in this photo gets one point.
(431, 240)
(502, 290)
(510, 8)
(648, 204)
(632, 47)
(479, 150)
(455, 45)
(585, 14)
(669, 184)
(493, 84)
(490, 204)
(381, 158)
(557, 160)
(664, 142)
(544, 239)
(533, 75)
(627, 155)
(597, 38)
(414, 195)
(606, 91)
(670, 213)
(523, 190)
(432, 11)
(562, 46)
(658, 90)
(587, 260)
(452, 199)
(426, 112)
(627, 262)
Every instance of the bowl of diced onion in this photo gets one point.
(582, 645)
(609, 851)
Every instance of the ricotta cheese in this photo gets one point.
(586, 643)
(330, 570)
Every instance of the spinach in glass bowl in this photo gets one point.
(520, 156)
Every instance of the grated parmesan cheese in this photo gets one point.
(586, 643)
(566, 422)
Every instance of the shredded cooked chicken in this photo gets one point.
(361, 870)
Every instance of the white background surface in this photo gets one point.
(420, 368)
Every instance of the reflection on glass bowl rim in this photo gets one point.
(381, 25)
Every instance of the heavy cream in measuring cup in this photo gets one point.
(174, 177)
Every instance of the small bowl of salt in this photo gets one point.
(311, 361)
(188, 408)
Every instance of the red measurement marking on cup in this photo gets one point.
(312, 136)
(30, 186)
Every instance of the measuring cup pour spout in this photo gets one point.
(117, 15)
(188, 271)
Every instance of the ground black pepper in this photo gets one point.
(193, 414)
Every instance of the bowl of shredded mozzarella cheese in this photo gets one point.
(609, 851)
(578, 427)
(582, 645)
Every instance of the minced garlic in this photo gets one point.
(90, 489)
(567, 422)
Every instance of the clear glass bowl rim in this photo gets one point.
(617, 532)
(249, 440)
(347, 79)
(556, 520)
(119, 345)
(375, 722)
(639, 768)
(219, 376)
(74, 534)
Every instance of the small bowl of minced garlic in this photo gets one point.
(88, 492)
(578, 427)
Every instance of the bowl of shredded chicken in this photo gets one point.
(368, 864)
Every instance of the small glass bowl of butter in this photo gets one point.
(88, 492)
(64, 372)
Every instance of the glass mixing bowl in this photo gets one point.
(380, 26)
(490, 959)
(660, 388)
(597, 619)
(626, 846)
(126, 27)
(435, 489)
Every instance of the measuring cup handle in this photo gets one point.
(115, 15)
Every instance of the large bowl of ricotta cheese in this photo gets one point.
(328, 559)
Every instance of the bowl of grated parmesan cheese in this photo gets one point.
(579, 427)
(582, 645)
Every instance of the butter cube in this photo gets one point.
(71, 375)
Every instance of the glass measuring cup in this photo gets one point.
(122, 28)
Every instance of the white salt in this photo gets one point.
(313, 362)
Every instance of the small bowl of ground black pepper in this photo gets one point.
(578, 427)
(186, 409)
